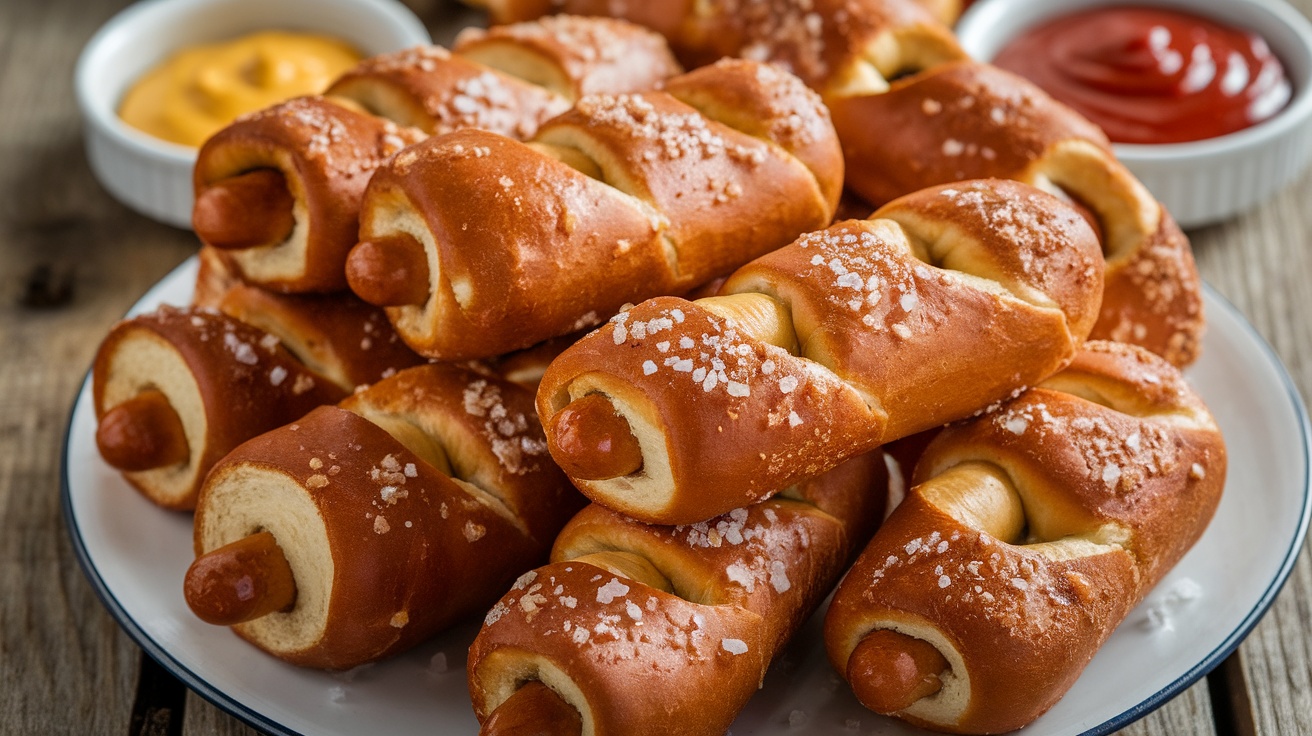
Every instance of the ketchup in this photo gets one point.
(1152, 75)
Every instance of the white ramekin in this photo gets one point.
(1200, 182)
(153, 176)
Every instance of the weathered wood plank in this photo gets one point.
(65, 275)
(1263, 263)
(1189, 712)
(205, 718)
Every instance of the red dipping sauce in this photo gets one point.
(1152, 75)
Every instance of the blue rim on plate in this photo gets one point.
(234, 707)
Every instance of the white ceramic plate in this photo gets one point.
(135, 555)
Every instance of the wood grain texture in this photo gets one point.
(65, 665)
(72, 260)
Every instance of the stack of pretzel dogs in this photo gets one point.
(354, 496)
(278, 196)
(863, 334)
(913, 111)
(302, 166)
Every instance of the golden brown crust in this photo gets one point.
(1118, 468)
(574, 55)
(326, 154)
(947, 301)
(226, 380)
(912, 111)
(953, 121)
(491, 437)
(411, 548)
(636, 659)
(511, 257)
(666, 18)
(338, 335)
(523, 246)
(429, 88)
(1153, 297)
(825, 42)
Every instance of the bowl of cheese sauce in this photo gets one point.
(163, 75)
(195, 92)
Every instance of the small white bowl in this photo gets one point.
(153, 176)
(1200, 182)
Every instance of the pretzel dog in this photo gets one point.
(636, 629)
(943, 302)
(967, 120)
(912, 111)
(1031, 533)
(279, 191)
(360, 530)
(176, 389)
(478, 244)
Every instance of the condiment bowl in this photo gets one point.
(153, 176)
(1206, 181)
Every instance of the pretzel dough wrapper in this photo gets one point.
(338, 336)
(429, 88)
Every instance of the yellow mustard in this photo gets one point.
(197, 91)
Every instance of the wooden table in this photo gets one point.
(72, 260)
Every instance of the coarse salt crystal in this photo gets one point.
(474, 531)
(779, 577)
(734, 646)
(612, 590)
(1016, 424)
(1111, 474)
(740, 574)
